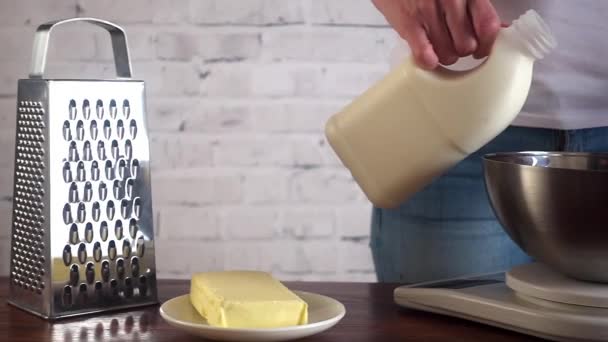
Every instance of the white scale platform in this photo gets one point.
(529, 299)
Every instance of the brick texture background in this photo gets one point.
(238, 94)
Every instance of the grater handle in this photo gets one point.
(117, 34)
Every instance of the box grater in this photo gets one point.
(82, 229)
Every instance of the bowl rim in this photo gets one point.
(491, 157)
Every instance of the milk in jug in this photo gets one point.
(414, 124)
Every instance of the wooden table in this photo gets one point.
(371, 315)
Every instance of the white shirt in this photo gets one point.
(570, 86)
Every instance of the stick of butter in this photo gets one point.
(246, 299)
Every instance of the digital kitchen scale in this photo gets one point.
(529, 299)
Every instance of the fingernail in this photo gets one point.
(468, 47)
(450, 60)
(430, 59)
(473, 44)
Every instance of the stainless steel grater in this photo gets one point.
(82, 230)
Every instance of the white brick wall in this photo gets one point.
(238, 94)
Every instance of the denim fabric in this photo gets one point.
(448, 229)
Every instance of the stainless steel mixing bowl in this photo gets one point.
(555, 207)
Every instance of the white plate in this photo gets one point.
(323, 313)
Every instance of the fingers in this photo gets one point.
(440, 31)
(460, 26)
(433, 20)
(403, 20)
(422, 49)
(486, 24)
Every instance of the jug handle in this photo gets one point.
(117, 34)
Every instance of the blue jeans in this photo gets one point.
(448, 229)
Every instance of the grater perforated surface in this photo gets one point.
(27, 245)
(102, 208)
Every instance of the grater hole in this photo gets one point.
(137, 207)
(135, 267)
(129, 187)
(128, 149)
(81, 213)
(72, 110)
(87, 153)
(109, 170)
(88, 191)
(128, 287)
(110, 210)
(113, 109)
(95, 171)
(126, 249)
(98, 288)
(126, 108)
(115, 150)
(103, 191)
(140, 246)
(118, 230)
(114, 287)
(67, 134)
(67, 214)
(105, 271)
(93, 131)
(67, 296)
(120, 268)
(101, 151)
(133, 228)
(125, 208)
(133, 129)
(67, 255)
(73, 152)
(117, 190)
(73, 193)
(74, 274)
(80, 172)
(97, 252)
(120, 129)
(107, 130)
(90, 273)
(143, 285)
(79, 130)
(86, 109)
(112, 250)
(96, 212)
(122, 168)
(82, 293)
(134, 168)
(103, 231)
(82, 253)
(88, 232)
(74, 234)
(99, 109)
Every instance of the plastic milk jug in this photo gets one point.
(414, 124)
